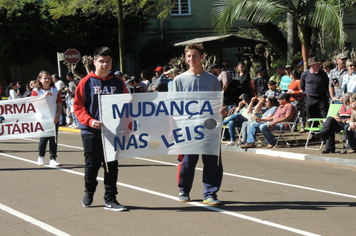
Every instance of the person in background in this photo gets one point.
(158, 72)
(171, 74)
(349, 80)
(297, 99)
(145, 79)
(28, 92)
(255, 64)
(314, 83)
(240, 84)
(301, 66)
(45, 86)
(161, 84)
(70, 90)
(285, 113)
(12, 92)
(267, 107)
(261, 82)
(223, 76)
(32, 84)
(335, 124)
(336, 76)
(327, 67)
(351, 127)
(272, 90)
(61, 88)
(278, 76)
(20, 90)
(226, 67)
(286, 79)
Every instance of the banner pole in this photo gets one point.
(55, 131)
(102, 132)
(222, 103)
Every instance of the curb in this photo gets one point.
(294, 156)
(269, 152)
(62, 128)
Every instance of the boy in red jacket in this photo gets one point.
(86, 109)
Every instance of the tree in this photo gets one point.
(118, 8)
(309, 15)
(21, 36)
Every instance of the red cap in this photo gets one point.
(159, 69)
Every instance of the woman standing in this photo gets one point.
(239, 85)
(45, 86)
(12, 92)
(297, 98)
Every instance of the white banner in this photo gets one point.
(27, 117)
(147, 124)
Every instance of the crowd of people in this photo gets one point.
(288, 95)
(301, 95)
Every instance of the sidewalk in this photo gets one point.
(292, 152)
(299, 152)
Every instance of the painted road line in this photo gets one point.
(241, 176)
(211, 208)
(33, 221)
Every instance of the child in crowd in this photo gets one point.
(272, 90)
(46, 86)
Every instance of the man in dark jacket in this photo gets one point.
(314, 83)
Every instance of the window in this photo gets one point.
(181, 7)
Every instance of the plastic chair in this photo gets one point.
(333, 110)
(291, 130)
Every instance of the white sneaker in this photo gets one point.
(231, 143)
(53, 163)
(40, 161)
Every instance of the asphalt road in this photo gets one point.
(262, 195)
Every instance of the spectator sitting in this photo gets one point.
(260, 82)
(272, 91)
(285, 113)
(267, 107)
(235, 120)
(335, 124)
(351, 127)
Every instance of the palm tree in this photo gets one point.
(309, 15)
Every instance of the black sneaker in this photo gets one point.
(114, 206)
(87, 199)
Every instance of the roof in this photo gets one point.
(224, 41)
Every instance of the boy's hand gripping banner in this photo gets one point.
(27, 117)
(146, 124)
